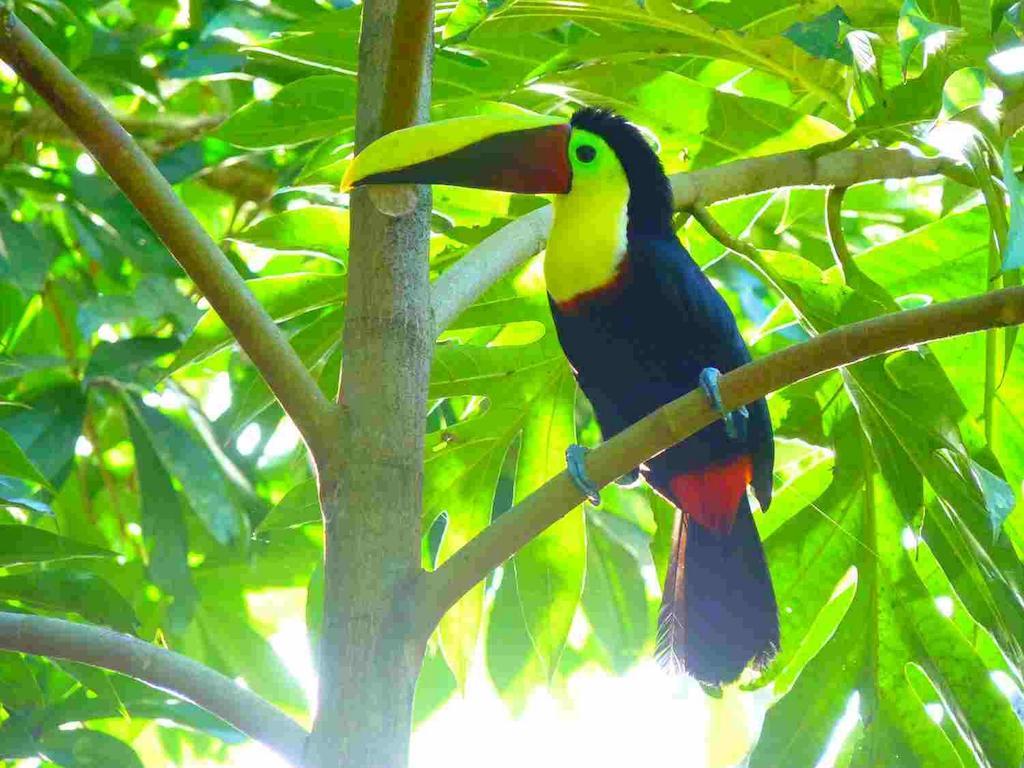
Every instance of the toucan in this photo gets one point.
(641, 325)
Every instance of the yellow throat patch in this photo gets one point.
(588, 237)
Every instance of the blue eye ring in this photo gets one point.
(585, 153)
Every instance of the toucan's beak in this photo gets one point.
(509, 153)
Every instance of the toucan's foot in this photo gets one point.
(735, 421)
(575, 456)
(629, 478)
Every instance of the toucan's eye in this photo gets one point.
(585, 153)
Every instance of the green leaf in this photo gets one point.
(821, 36)
(316, 230)
(308, 109)
(122, 358)
(529, 394)
(18, 686)
(908, 410)
(998, 495)
(468, 513)
(138, 700)
(910, 102)
(14, 463)
(240, 651)
(48, 430)
(434, 687)
(23, 365)
(891, 622)
(614, 598)
(163, 524)
(467, 15)
(154, 298)
(283, 296)
(721, 126)
(99, 681)
(79, 592)
(314, 344)
(23, 544)
(914, 29)
(328, 41)
(513, 664)
(197, 470)
(85, 749)
(300, 506)
(549, 569)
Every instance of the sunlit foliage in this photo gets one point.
(149, 482)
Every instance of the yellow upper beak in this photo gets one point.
(512, 153)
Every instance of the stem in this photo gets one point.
(158, 667)
(994, 282)
(184, 236)
(722, 235)
(686, 415)
(511, 246)
(994, 202)
(834, 225)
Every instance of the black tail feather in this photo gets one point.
(718, 610)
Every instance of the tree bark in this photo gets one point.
(371, 485)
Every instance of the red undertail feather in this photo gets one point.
(711, 496)
(718, 610)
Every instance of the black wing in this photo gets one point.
(690, 292)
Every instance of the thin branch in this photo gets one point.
(737, 245)
(683, 417)
(184, 236)
(160, 668)
(484, 265)
(834, 226)
(722, 235)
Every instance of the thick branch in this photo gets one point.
(479, 269)
(688, 414)
(184, 237)
(160, 668)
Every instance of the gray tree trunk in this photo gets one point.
(371, 489)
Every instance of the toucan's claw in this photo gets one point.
(575, 456)
(629, 478)
(735, 421)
